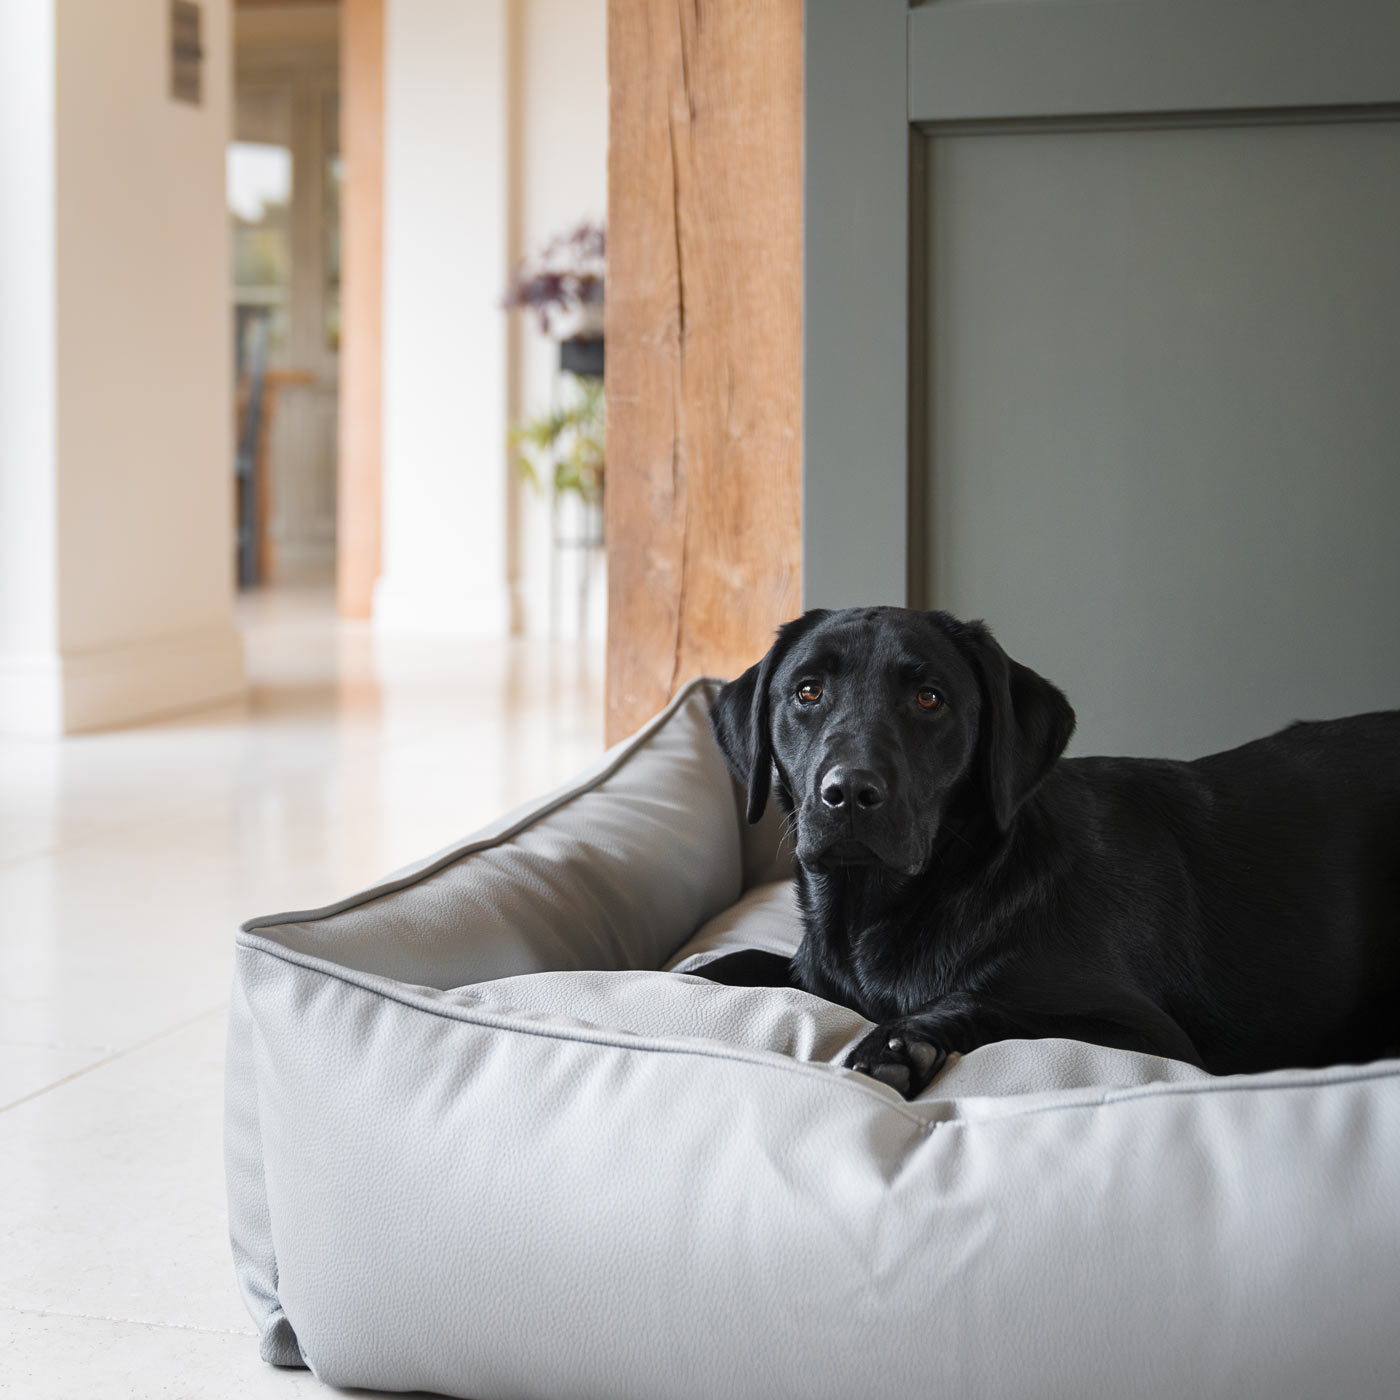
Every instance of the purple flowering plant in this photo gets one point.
(567, 274)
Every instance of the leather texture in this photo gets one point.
(763, 917)
(479, 1144)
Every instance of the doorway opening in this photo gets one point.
(284, 181)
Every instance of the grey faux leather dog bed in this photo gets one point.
(480, 1142)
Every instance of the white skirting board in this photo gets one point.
(63, 693)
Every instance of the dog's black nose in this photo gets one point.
(858, 787)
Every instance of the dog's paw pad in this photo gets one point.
(897, 1077)
(899, 1060)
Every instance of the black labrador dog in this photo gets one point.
(961, 883)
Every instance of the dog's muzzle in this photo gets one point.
(854, 820)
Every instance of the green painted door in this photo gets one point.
(1143, 413)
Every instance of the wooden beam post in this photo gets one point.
(704, 305)
(359, 503)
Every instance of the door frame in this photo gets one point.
(881, 81)
(359, 486)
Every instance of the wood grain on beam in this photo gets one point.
(362, 317)
(704, 341)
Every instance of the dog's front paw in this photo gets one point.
(899, 1057)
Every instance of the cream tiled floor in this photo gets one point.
(126, 861)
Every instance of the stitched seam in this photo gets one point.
(493, 1020)
(1232, 1084)
(774, 1060)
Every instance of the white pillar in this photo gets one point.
(445, 266)
(30, 682)
(116, 482)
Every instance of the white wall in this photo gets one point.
(445, 193)
(134, 533)
(29, 681)
(563, 174)
(464, 196)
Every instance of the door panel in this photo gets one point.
(1166, 434)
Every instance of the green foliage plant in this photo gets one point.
(565, 443)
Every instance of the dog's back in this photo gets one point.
(1279, 864)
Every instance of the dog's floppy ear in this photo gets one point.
(740, 721)
(1026, 723)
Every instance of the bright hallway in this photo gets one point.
(126, 861)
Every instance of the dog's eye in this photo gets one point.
(808, 693)
(929, 699)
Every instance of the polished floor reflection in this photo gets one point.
(126, 861)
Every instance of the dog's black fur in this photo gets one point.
(960, 883)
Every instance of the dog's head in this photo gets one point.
(875, 719)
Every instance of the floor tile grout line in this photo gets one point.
(221, 1006)
(10, 1043)
(131, 1321)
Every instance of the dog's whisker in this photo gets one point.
(957, 835)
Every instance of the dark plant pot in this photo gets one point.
(582, 355)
